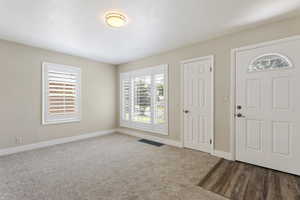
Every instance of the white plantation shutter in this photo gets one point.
(61, 93)
(143, 99)
(159, 99)
(125, 97)
(142, 92)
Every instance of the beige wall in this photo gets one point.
(20, 86)
(220, 48)
(20, 100)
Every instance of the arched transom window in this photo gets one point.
(272, 61)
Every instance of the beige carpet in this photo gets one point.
(113, 167)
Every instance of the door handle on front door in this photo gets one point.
(239, 107)
(186, 111)
(239, 115)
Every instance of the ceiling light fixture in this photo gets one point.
(115, 19)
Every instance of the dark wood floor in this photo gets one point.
(240, 181)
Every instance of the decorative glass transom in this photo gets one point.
(269, 62)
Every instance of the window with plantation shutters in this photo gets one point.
(61, 93)
(125, 100)
(143, 99)
(159, 99)
(142, 89)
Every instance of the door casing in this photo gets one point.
(211, 58)
(233, 66)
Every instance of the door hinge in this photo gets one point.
(210, 69)
(210, 141)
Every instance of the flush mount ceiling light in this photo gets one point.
(115, 19)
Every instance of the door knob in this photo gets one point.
(239, 115)
(186, 111)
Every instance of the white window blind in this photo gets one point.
(159, 99)
(61, 93)
(126, 98)
(143, 102)
(142, 89)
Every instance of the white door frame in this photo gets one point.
(233, 85)
(211, 58)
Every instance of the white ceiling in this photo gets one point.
(77, 27)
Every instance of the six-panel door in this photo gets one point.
(268, 91)
(198, 104)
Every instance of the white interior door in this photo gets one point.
(268, 105)
(198, 103)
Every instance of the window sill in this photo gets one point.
(144, 129)
(61, 122)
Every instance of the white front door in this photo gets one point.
(268, 105)
(198, 103)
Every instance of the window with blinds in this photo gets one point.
(61, 93)
(159, 99)
(143, 99)
(126, 99)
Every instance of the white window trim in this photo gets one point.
(70, 118)
(162, 129)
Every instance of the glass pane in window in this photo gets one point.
(126, 99)
(269, 62)
(142, 99)
(159, 105)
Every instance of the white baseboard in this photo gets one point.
(139, 134)
(39, 145)
(150, 137)
(18, 149)
(222, 154)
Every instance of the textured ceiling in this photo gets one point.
(77, 27)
